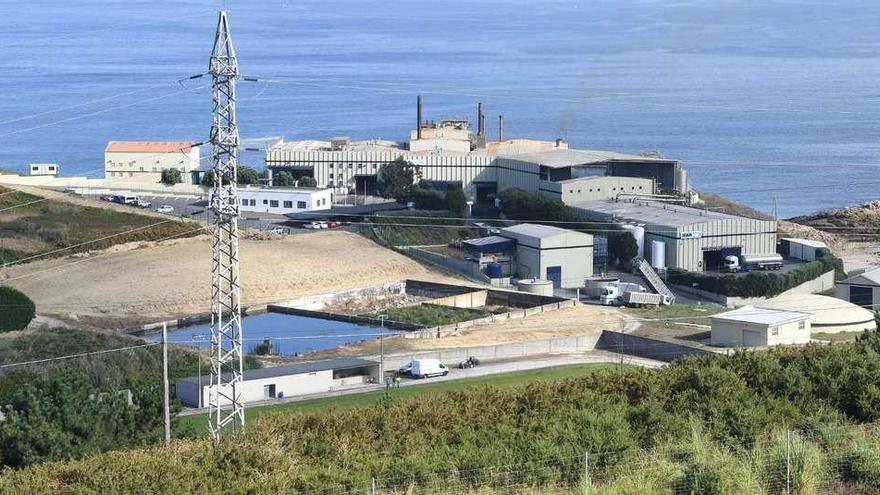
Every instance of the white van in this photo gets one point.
(424, 368)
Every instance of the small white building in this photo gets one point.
(286, 381)
(562, 256)
(143, 161)
(283, 200)
(861, 288)
(44, 169)
(750, 326)
(803, 249)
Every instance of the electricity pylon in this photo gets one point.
(225, 407)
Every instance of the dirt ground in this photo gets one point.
(144, 282)
(860, 255)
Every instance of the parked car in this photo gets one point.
(106, 197)
(332, 225)
(140, 203)
(165, 209)
(470, 362)
(424, 368)
(312, 225)
(278, 231)
(323, 225)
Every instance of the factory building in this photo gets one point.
(564, 257)
(285, 381)
(861, 288)
(283, 200)
(144, 161)
(686, 238)
(749, 326)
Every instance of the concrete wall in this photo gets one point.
(595, 188)
(474, 299)
(819, 284)
(731, 333)
(635, 345)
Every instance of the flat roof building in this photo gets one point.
(283, 200)
(693, 239)
(750, 326)
(144, 161)
(562, 256)
(286, 381)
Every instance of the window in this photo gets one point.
(300, 204)
(244, 202)
(774, 331)
(273, 203)
(265, 201)
(269, 391)
(288, 204)
(802, 325)
(35, 168)
(51, 168)
(253, 202)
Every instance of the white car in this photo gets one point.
(324, 225)
(278, 231)
(165, 209)
(312, 226)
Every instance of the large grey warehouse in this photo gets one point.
(692, 239)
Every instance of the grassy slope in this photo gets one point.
(47, 225)
(423, 231)
(372, 398)
(431, 315)
(714, 201)
(668, 320)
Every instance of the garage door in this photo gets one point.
(861, 296)
(752, 338)
(554, 274)
(712, 260)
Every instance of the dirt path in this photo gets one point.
(144, 282)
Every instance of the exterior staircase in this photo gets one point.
(654, 280)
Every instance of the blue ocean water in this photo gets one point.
(756, 98)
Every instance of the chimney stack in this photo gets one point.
(500, 128)
(419, 117)
(479, 119)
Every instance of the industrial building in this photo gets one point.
(564, 257)
(686, 238)
(802, 249)
(861, 288)
(449, 151)
(749, 326)
(144, 161)
(44, 169)
(286, 381)
(283, 200)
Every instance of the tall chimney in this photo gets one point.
(479, 119)
(500, 128)
(419, 117)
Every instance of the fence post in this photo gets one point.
(373, 486)
(788, 462)
(587, 482)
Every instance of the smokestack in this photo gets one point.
(500, 128)
(479, 119)
(419, 117)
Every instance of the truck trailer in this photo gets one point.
(750, 262)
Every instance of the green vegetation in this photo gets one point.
(247, 176)
(16, 310)
(421, 228)
(170, 176)
(283, 179)
(704, 425)
(44, 226)
(676, 320)
(307, 181)
(758, 283)
(518, 204)
(711, 201)
(432, 315)
(397, 179)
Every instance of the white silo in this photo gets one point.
(638, 233)
(658, 255)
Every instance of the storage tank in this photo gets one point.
(638, 232)
(593, 286)
(658, 255)
(536, 286)
(493, 270)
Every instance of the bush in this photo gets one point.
(247, 176)
(16, 310)
(428, 199)
(283, 179)
(307, 181)
(397, 180)
(170, 176)
(455, 200)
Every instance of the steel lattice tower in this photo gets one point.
(225, 408)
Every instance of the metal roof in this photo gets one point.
(871, 275)
(536, 230)
(148, 146)
(653, 212)
(292, 369)
(559, 157)
(491, 243)
(826, 310)
(761, 316)
(806, 242)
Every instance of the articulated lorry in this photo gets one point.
(749, 262)
(630, 295)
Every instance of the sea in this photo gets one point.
(759, 100)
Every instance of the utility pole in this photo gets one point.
(382, 347)
(774, 207)
(225, 407)
(165, 404)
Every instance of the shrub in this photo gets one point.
(397, 179)
(307, 181)
(16, 310)
(247, 176)
(428, 199)
(455, 200)
(170, 176)
(283, 179)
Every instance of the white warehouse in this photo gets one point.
(143, 161)
(283, 200)
(562, 256)
(749, 326)
(286, 381)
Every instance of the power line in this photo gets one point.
(82, 354)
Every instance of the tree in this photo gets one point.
(170, 176)
(397, 179)
(208, 179)
(283, 179)
(456, 202)
(247, 176)
(307, 181)
(16, 310)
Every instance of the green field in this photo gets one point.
(432, 315)
(372, 398)
(675, 321)
(31, 225)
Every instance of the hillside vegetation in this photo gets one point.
(421, 227)
(704, 425)
(32, 225)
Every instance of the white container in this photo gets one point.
(658, 255)
(638, 233)
(594, 286)
(536, 286)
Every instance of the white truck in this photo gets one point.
(641, 299)
(751, 262)
(611, 295)
(424, 368)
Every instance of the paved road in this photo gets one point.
(484, 369)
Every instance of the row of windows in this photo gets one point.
(599, 189)
(274, 203)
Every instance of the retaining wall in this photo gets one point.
(634, 345)
(821, 283)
